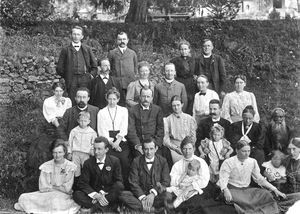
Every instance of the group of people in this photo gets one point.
(173, 146)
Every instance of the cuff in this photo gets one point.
(91, 195)
(137, 145)
(142, 197)
(102, 192)
(153, 191)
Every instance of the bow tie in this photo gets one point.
(99, 163)
(216, 121)
(150, 162)
(105, 78)
(202, 93)
(76, 46)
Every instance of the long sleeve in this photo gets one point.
(196, 102)
(193, 129)
(135, 63)
(61, 63)
(48, 110)
(167, 140)
(84, 179)
(131, 94)
(61, 129)
(134, 179)
(254, 104)
(184, 98)
(224, 175)
(156, 95)
(68, 181)
(159, 134)
(222, 73)
(45, 182)
(70, 142)
(93, 63)
(132, 135)
(226, 108)
(260, 138)
(104, 123)
(123, 123)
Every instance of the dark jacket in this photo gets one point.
(64, 66)
(142, 180)
(123, 66)
(92, 179)
(217, 69)
(141, 128)
(205, 126)
(69, 120)
(98, 90)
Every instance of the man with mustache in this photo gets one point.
(123, 62)
(69, 119)
(214, 118)
(278, 134)
(145, 121)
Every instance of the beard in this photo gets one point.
(279, 132)
(81, 104)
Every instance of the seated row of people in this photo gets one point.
(153, 188)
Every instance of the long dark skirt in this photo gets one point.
(253, 200)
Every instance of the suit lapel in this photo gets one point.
(144, 164)
(96, 167)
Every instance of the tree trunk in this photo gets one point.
(137, 12)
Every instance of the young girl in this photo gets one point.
(275, 172)
(215, 150)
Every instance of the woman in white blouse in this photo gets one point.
(235, 178)
(113, 124)
(55, 106)
(235, 102)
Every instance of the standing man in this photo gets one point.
(100, 182)
(145, 121)
(212, 66)
(123, 62)
(77, 64)
(169, 87)
(214, 118)
(146, 172)
(69, 119)
(101, 84)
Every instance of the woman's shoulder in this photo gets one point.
(47, 166)
(49, 100)
(70, 166)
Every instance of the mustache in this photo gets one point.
(212, 114)
(81, 104)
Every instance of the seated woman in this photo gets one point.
(177, 126)
(55, 106)
(249, 131)
(134, 88)
(235, 178)
(55, 185)
(235, 102)
(113, 124)
(293, 167)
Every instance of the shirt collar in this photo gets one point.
(76, 44)
(122, 49)
(82, 109)
(102, 76)
(145, 108)
(149, 160)
(216, 120)
(103, 160)
(169, 81)
(205, 56)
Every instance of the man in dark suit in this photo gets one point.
(212, 66)
(145, 121)
(123, 62)
(148, 172)
(69, 119)
(214, 118)
(101, 84)
(100, 182)
(76, 63)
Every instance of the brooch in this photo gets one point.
(108, 168)
(62, 171)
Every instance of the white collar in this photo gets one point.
(102, 76)
(103, 160)
(122, 49)
(216, 120)
(76, 44)
(145, 108)
(169, 81)
(82, 109)
(207, 56)
(149, 160)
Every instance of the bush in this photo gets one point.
(274, 15)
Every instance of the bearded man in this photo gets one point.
(278, 134)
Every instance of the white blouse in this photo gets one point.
(238, 173)
(201, 102)
(234, 104)
(115, 119)
(53, 109)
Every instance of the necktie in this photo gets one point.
(99, 163)
(202, 94)
(76, 46)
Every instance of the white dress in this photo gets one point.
(55, 194)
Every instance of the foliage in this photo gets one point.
(223, 9)
(115, 5)
(274, 14)
(24, 12)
